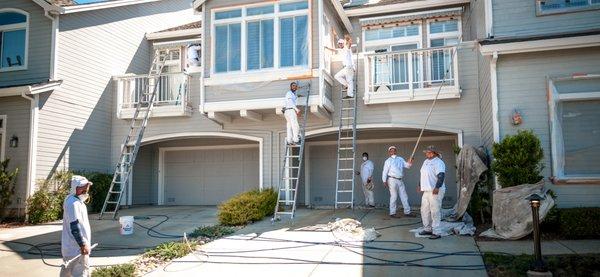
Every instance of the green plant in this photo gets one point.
(99, 189)
(517, 159)
(560, 265)
(122, 270)
(212, 232)
(247, 207)
(8, 180)
(579, 223)
(46, 203)
(171, 250)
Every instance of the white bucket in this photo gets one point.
(126, 225)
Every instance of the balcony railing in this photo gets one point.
(172, 94)
(411, 75)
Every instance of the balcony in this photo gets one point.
(172, 95)
(415, 75)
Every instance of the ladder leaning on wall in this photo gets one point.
(287, 192)
(132, 141)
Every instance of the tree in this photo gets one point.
(517, 159)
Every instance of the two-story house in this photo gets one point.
(58, 58)
(544, 60)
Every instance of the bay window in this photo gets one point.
(13, 39)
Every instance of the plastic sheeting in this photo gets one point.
(463, 227)
(511, 212)
(471, 164)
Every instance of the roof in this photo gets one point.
(491, 41)
(66, 3)
(29, 88)
(189, 26)
(72, 6)
(355, 4)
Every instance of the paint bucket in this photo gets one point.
(126, 225)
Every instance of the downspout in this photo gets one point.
(489, 18)
(33, 131)
(494, 88)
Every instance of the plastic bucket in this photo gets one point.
(126, 225)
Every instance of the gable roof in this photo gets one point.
(193, 29)
(354, 8)
(72, 6)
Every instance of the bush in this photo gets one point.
(46, 203)
(559, 265)
(580, 223)
(247, 207)
(518, 159)
(212, 232)
(123, 270)
(99, 189)
(8, 181)
(171, 250)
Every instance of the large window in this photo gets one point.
(13, 39)
(260, 37)
(575, 126)
(561, 6)
(442, 33)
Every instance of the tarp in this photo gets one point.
(470, 163)
(511, 212)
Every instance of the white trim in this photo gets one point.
(102, 5)
(402, 7)
(174, 34)
(16, 27)
(375, 126)
(217, 79)
(54, 44)
(3, 140)
(590, 7)
(489, 18)
(494, 91)
(541, 45)
(256, 104)
(33, 133)
(460, 9)
(20, 90)
(593, 95)
(343, 15)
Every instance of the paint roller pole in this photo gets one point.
(66, 264)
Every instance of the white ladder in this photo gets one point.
(293, 159)
(131, 144)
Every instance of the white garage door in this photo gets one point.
(209, 176)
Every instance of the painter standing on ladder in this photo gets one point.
(393, 172)
(432, 185)
(291, 113)
(76, 232)
(346, 75)
(366, 174)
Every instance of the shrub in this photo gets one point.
(247, 207)
(8, 180)
(580, 223)
(123, 270)
(171, 250)
(99, 189)
(212, 232)
(518, 159)
(46, 203)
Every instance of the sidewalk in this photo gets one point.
(556, 247)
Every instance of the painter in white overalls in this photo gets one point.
(76, 231)
(346, 75)
(291, 112)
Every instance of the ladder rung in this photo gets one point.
(345, 202)
(284, 189)
(292, 156)
(290, 178)
(346, 169)
(345, 180)
(109, 212)
(344, 109)
(112, 202)
(345, 118)
(346, 148)
(285, 213)
(344, 191)
(346, 159)
(346, 138)
(292, 167)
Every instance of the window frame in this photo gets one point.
(15, 27)
(3, 138)
(540, 12)
(556, 138)
(388, 43)
(244, 19)
(444, 35)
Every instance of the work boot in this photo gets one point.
(395, 216)
(410, 215)
(425, 233)
(434, 236)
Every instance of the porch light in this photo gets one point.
(14, 142)
(538, 265)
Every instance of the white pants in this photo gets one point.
(369, 195)
(346, 78)
(292, 126)
(77, 268)
(431, 210)
(397, 187)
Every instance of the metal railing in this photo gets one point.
(407, 71)
(172, 90)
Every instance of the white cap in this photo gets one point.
(341, 40)
(79, 181)
(392, 147)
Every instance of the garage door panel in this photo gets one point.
(183, 169)
(179, 157)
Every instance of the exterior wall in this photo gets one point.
(38, 53)
(522, 85)
(485, 102)
(476, 17)
(75, 120)
(518, 18)
(18, 112)
(254, 90)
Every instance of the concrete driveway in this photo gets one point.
(260, 249)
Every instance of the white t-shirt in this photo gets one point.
(291, 100)
(366, 170)
(394, 167)
(193, 52)
(74, 209)
(429, 171)
(347, 57)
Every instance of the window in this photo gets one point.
(14, 26)
(442, 33)
(172, 61)
(395, 32)
(575, 127)
(260, 37)
(561, 6)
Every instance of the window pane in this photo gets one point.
(437, 42)
(412, 30)
(395, 32)
(580, 131)
(443, 26)
(253, 45)
(301, 47)
(260, 10)
(286, 38)
(7, 18)
(235, 49)
(221, 42)
(561, 4)
(13, 48)
(293, 6)
(228, 14)
(267, 43)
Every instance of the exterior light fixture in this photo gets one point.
(14, 142)
(538, 267)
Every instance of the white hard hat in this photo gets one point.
(392, 147)
(341, 40)
(79, 181)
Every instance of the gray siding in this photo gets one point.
(145, 176)
(38, 54)
(249, 91)
(75, 120)
(485, 101)
(522, 85)
(17, 111)
(476, 15)
(518, 18)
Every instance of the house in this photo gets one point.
(545, 65)
(58, 59)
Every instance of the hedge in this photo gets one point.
(580, 223)
(247, 207)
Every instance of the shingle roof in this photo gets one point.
(66, 3)
(355, 4)
(193, 25)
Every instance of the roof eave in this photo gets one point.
(174, 34)
(342, 14)
(401, 7)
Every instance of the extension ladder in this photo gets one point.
(287, 192)
(131, 144)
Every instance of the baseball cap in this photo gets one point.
(79, 181)
(341, 40)
(392, 147)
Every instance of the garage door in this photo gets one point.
(322, 166)
(209, 176)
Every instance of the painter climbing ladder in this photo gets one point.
(287, 192)
(131, 144)
(346, 149)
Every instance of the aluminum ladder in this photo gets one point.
(346, 149)
(287, 192)
(132, 141)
